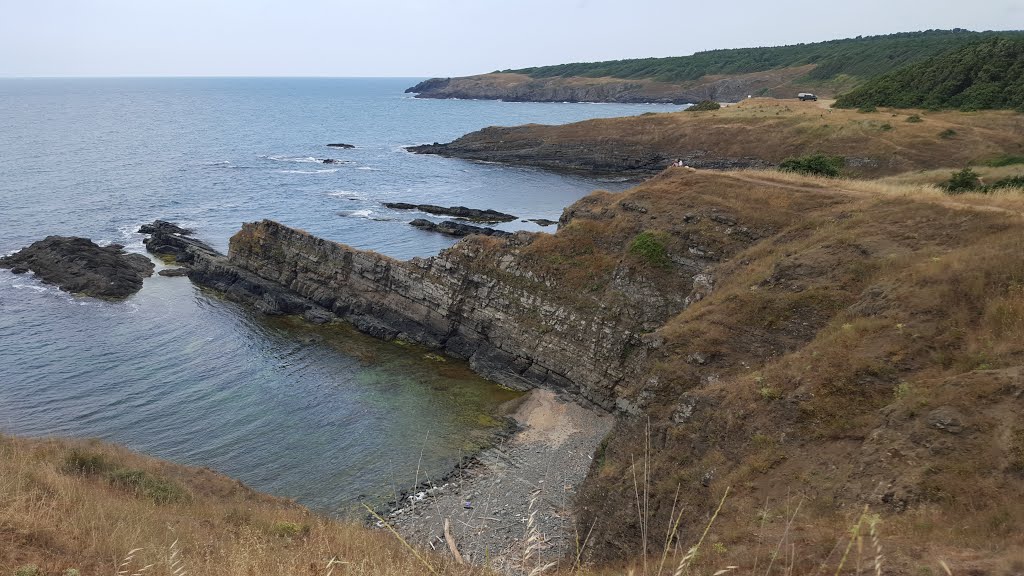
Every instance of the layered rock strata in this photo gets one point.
(478, 300)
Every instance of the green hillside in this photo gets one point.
(862, 57)
(982, 75)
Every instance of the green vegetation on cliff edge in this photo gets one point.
(862, 57)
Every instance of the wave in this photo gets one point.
(347, 195)
(300, 159)
(364, 214)
(324, 171)
(369, 168)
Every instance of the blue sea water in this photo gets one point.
(329, 417)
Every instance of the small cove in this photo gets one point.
(327, 416)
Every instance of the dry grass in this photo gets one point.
(56, 517)
(877, 144)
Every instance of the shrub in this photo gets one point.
(1005, 160)
(885, 127)
(947, 133)
(914, 119)
(28, 570)
(86, 463)
(963, 181)
(650, 246)
(817, 164)
(1011, 182)
(704, 106)
(289, 529)
(141, 483)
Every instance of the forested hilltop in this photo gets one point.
(826, 68)
(861, 57)
(982, 75)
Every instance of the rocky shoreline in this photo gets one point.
(80, 266)
(497, 320)
(488, 499)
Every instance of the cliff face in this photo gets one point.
(474, 301)
(513, 87)
(755, 133)
(780, 338)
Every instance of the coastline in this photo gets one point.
(489, 500)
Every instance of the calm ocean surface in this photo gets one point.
(326, 416)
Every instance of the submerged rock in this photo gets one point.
(340, 145)
(81, 266)
(542, 221)
(461, 212)
(173, 272)
(456, 228)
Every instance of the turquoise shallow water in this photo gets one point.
(327, 417)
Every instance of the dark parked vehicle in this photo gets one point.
(806, 96)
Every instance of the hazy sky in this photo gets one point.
(431, 37)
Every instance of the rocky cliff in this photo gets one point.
(476, 301)
(514, 87)
(790, 342)
(756, 133)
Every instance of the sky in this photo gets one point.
(421, 38)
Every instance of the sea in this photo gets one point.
(324, 415)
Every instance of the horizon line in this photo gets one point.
(200, 76)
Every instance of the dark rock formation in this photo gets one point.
(602, 153)
(461, 212)
(340, 145)
(501, 320)
(173, 272)
(80, 266)
(456, 228)
(542, 221)
(513, 146)
(428, 86)
(516, 87)
(172, 241)
(330, 161)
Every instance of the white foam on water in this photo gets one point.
(369, 168)
(324, 171)
(347, 194)
(367, 214)
(33, 287)
(300, 159)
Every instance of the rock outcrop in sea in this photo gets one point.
(461, 212)
(80, 266)
(480, 301)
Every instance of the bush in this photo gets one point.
(1011, 182)
(289, 529)
(28, 570)
(914, 119)
(141, 483)
(817, 164)
(1005, 160)
(86, 463)
(885, 127)
(867, 109)
(650, 246)
(947, 133)
(963, 181)
(704, 106)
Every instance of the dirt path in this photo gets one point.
(536, 470)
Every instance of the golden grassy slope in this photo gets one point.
(869, 350)
(88, 505)
(881, 143)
